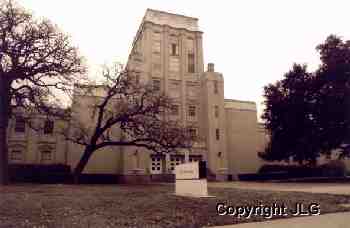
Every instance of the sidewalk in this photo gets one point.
(330, 188)
(336, 220)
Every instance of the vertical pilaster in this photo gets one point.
(199, 53)
(165, 51)
(147, 51)
(183, 69)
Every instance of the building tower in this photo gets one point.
(168, 52)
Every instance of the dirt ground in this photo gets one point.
(155, 205)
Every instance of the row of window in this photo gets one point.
(20, 125)
(174, 64)
(18, 155)
(157, 163)
(174, 50)
(192, 110)
(157, 86)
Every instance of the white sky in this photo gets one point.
(252, 43)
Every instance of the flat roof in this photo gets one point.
(240, 101)
(171, 19)
(174, 14)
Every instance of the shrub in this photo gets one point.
(334, 168)
(52, 173)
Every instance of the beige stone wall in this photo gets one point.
(105, 160)
(32, 143)
(213, 98)
(245, 139)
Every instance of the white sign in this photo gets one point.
(187, 171)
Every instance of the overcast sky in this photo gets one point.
(252, 43)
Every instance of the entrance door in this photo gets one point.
(156, 166)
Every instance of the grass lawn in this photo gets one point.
(137, 206)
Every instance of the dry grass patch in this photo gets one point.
(137, 206)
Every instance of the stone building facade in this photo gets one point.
(28, 145)
(168, 52)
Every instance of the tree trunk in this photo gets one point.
(4, 119)
(82, 163)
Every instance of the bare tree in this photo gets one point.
(139, 112)
(36, 61)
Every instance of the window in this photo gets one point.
(216, 111)
(192, 111)
(217, 134)
(190, 63)
(46, 155)
(16, 155)
(20, 125)
(174, 50)
(156, 165)
(137, 79)
(216, 89)
(174, 161)
(156, 85)
(190, 45)
(193, 133)
(48, 127)
(175, 110)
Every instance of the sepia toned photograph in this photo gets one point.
(179, 114)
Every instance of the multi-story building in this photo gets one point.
(168, 52)
(37, 143)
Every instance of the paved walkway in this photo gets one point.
(337, 220)
(331, 188)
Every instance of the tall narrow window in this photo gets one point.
(48, 127)
(216, 89)
(193, 133)
(46, 155)
(216, 111)
(16, 155)
(190, 63)
(175, 110)
(174, 49)
(217, 134)
(137, 79)
(20, 125)
(192, 110)
(190, 55)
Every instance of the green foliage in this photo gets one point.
(307, 113)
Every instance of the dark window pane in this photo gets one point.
(217, 133)
(48, 127)
(20, 125)
(191, 63)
